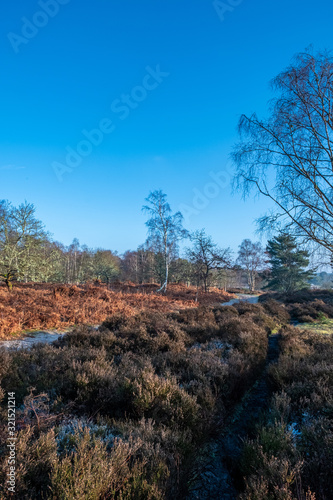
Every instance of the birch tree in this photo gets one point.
(288, 156)
(165, 229)
(251, 257)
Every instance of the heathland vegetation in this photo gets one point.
(288, 454)
(119, 411)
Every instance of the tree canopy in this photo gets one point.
(251, 258)
(206, 257)
(288, 265)
(165, 229)
(288, 156)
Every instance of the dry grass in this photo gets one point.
(40, 306)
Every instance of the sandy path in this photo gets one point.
(43, 337)
(252, 299)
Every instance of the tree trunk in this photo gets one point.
(9, 284)
(165, 284)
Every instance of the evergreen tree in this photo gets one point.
(288, 265)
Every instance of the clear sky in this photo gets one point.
(164, 82)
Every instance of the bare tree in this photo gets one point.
(181, 271)
(129, 266)
(73, 253)
(207, 257)
(165, 229)
(251, 257)
(288, 157)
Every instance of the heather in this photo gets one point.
(121, 411)
(304, 306)
(289, 456)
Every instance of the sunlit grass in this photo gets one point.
(324, 326)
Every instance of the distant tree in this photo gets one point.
(45, 263)
(288, 157)
(146, 263)
(159, 267)
(225, 277)
(232, 277)
(165, 229)
(323, 280)
(181, 271)
(145, 266)
(105, 266)
(21, 234)
(85, 264)
(288, 265)
(251, 257)
(207, 257)
(73, 254)
(129, 266)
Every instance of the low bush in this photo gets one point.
(292, 455)
(277, 310)
(119, 411)
(300, 297)
(38, 306)
(305, 306)
(304, 313)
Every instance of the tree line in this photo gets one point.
(28, 254)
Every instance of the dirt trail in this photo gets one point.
(215, 471)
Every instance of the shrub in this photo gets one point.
(118, 411)
(277, 310)
(304, 313)
(291, 456)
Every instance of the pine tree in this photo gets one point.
(288, 265)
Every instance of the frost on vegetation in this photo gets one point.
(213, 345)
(69, 433)
(306, 417)
(294, 432)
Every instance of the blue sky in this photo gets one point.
(192, 75)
